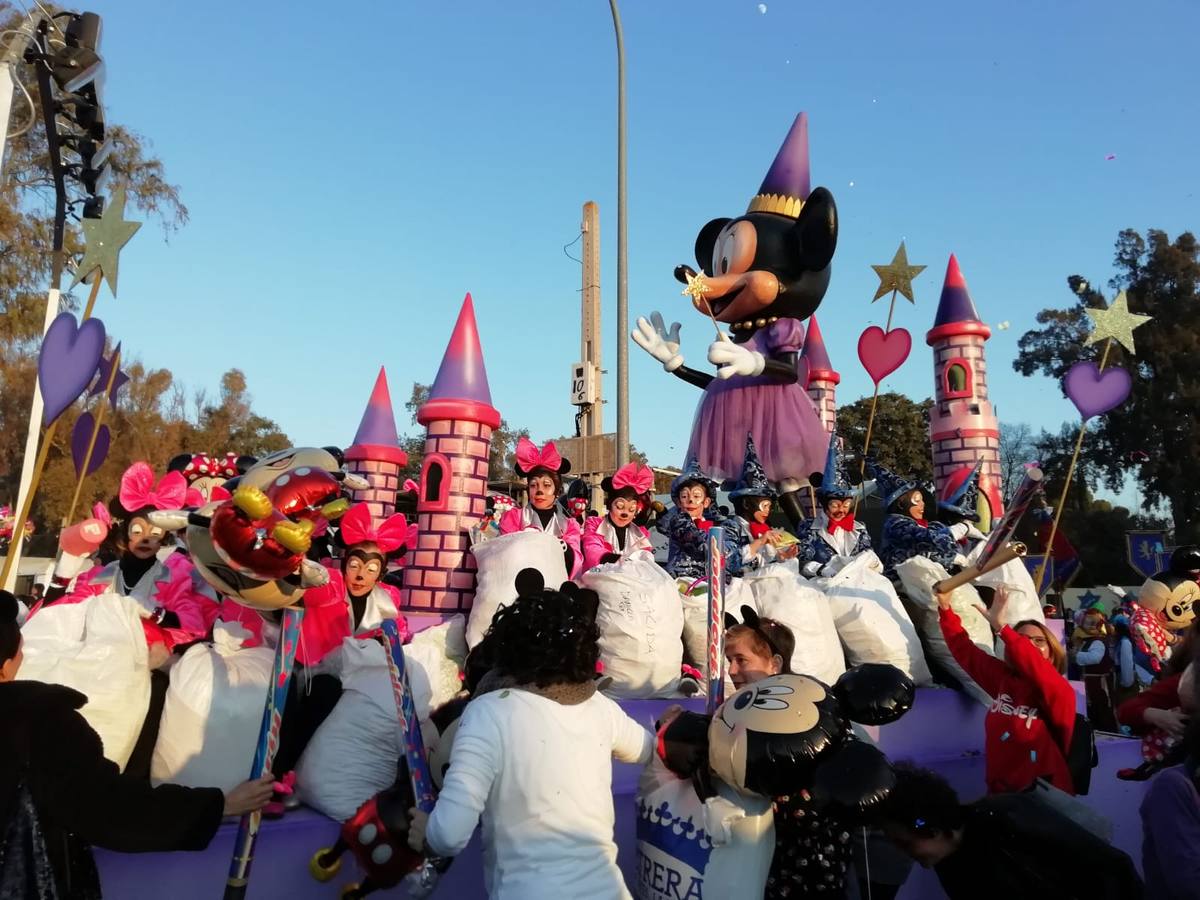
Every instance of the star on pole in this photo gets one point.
(104, 239)
(697, 287)
(1115, 323)
(897, 276)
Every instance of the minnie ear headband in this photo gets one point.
(751, 620)
(394, 532)
(530, 457)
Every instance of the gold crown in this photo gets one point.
(776, 203)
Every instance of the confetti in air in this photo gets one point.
(1111, 156)
(762, 9)
(852, 184)
(1003, 326)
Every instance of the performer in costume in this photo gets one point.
(543, 470)
(354, 602)
(753, 497)
(207, 474)
(833, 535)
(960, 507)
(61, 795)
(179, 607)
(687, 521)
(1164, 607)
(1092, 657)
(616, 535)
(906, 530)
(765, 272)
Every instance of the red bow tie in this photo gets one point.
(758, 529)
(845, 523)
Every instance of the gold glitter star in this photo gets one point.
(1115, 323)
(897, 276)
(697, 287)
(105, 237)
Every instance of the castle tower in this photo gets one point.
(458, 419)
(962, 425)
(376, 454)
(822, 379)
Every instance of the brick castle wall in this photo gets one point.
(824, 397)
(440, 577)
(384, 477)
(969, 435)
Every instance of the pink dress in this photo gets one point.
(790, 438)
(327, 617)
(172, 584)
(600, 539)
(560, 525)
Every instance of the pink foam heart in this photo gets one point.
(882, 353)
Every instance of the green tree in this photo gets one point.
(899, 437)
(1161, 278)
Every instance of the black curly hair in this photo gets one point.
(921, 801)
(547, 636)
(10, 632)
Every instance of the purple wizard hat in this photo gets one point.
(786, 186)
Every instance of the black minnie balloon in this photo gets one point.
(852, 781)
(874, 693)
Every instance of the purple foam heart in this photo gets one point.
(1094, 392)
(81, 436)
(68, 359)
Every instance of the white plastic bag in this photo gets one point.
(721, 848)
(354, 753)
(213, 712)
(499, 560)
(870, 619)
(695, 623)
(781, 594)
(97, 647)
(434, 661)
(919, 575)
(641, 627)
(1023, 602)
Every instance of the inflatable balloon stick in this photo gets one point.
(377, 834)
(883, 350)
(716, 619)
(1094, 391)
(1005, 554)
(264, 755)
(1030, 487)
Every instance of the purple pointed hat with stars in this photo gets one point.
(787, 184)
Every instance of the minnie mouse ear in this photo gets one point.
(749, 617)
(530, 582)
(336, 453)
(730, 621)
(179, 463)
(816, 479)
(521, 473)
(565, 467)
(606, 485)
(244, 463)
(589, 602)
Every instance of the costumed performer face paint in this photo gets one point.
(1172, 597)
(762, 511)
(623, 510)
(917, 505)
(748, 664)
(144, 539)
(838, 508)
(694, 500)
(362, 569)
(543, 492)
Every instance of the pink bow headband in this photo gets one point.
(529, 457)
(633, 475)
(393, 532)
(138, 490)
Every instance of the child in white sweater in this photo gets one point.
(533, 757)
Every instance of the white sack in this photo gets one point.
(499, 560)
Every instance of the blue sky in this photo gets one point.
(353, 169)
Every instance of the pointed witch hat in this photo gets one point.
(692, 474)
(892, 487)
(834, 483)
(753, 480)
(962, 502)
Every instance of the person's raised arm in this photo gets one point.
(985, 670)
(474, 765)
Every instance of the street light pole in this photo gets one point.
(622, 271)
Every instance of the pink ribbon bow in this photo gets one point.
(100, 511)
(529, 457)
(633, 475)
(138, 490)
(393, 532)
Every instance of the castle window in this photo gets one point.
(957, 379)
(435, 482)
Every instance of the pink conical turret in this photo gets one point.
(822, 378)
(458, 419)
(376, 454)
(963, 428)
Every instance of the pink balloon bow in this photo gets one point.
(633, 475)
(529, 457)
(393, 532)
(882, 353)
(100, 511)
(138, 490)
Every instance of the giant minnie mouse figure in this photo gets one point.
(765, 272)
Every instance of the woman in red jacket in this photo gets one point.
(1032, 717)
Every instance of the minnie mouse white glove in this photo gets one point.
(735, 359)
(654, 337)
